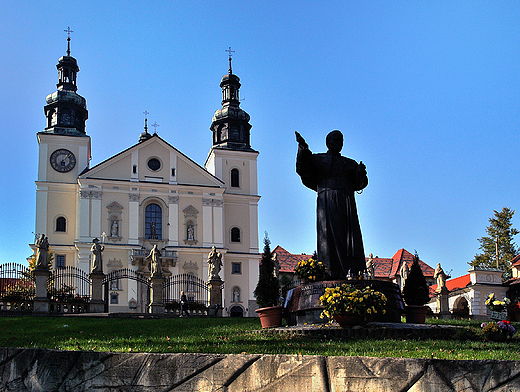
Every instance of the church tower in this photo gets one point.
(64, 152)
(232, 160)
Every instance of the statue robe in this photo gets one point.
(335, 179)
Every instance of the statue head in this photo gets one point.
(334, 141)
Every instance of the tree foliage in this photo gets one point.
(500, 227)
(415, 290)
(267, 290)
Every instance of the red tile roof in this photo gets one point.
(288, 261)
(383, 268)
(453, 284)
(516, 261)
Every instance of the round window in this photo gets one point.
(154, 164)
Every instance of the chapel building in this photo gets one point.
(150, 194)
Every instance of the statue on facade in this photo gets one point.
(97, 258)
(215, 264)
(370, 267)
(440, 276)
(191, 233)
(114, 229)
(154, 257)
(335, 179)
(42, 252)
(153, 231)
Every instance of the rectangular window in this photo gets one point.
(236, 268)
(60, 261)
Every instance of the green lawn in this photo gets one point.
(228, 336)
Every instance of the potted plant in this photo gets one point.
(498, 331)
(267, 292)
(498, 308)
(349, 305)
(310, 270)
(416, 294)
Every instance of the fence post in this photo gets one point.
(97, 304)
(41, 301)
(156, 293)
(215, 296)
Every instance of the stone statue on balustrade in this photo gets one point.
(97, 257)
(335, 179)
(154, 258)
(215, 264)
(42, 252)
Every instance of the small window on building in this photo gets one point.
(236, 268)
(61, 224)
(114, 298)
(60, 261)
(235, 178)
(235, 234)
(153, 222)
(134, 169)
(114, 284)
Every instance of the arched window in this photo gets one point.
(153, 222)
(235, 234)
(61, 224)
(235, 178)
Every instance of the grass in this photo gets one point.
(229, 336)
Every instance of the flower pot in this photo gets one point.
(270, 317)
(416, 314)
(350, 319)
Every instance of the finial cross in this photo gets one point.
(68, 31)
(146, 113)
(155, 125)
(230, 52)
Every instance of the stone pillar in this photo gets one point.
(215, 296)
(97, 304)
(40, 301)
(156, 294)
(442, 302)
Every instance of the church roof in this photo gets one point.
(155, 138)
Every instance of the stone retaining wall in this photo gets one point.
(50, 370)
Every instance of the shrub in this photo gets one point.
(415, 290)
(267, 290)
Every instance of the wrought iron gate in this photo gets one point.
(112, 280)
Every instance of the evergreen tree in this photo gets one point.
(500, 227)
(415, 290)
(267, 290)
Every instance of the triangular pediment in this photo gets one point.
(190, 210)
(153, 161)
(114, 206)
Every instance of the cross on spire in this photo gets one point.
(68, 31)
(230, 53)
(155, 125)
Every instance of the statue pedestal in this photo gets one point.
(442, 302)
(156, 294)
(215, 296)
(302, 304)
(41, 301)
(97, 304)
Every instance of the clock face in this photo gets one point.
(63, 160)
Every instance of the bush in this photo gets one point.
(415, 290)
(267, 290)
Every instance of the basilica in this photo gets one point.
(150, 194)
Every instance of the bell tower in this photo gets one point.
(232, 160)
(64, 148)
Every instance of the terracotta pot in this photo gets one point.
(349, 319)
(416, 314)
(496, 337)
(270, 317)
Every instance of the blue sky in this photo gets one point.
(426, 94)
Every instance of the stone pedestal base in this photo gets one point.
(97, 304)
(442, 301)
(40, 305)
(215, 297)
(40, 301)
(156, 295)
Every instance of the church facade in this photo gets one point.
(150, 194)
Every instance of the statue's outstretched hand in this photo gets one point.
(301, 141)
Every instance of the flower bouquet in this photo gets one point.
(310, 270)
(498, 331)
(498, 308)
(356, 305)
